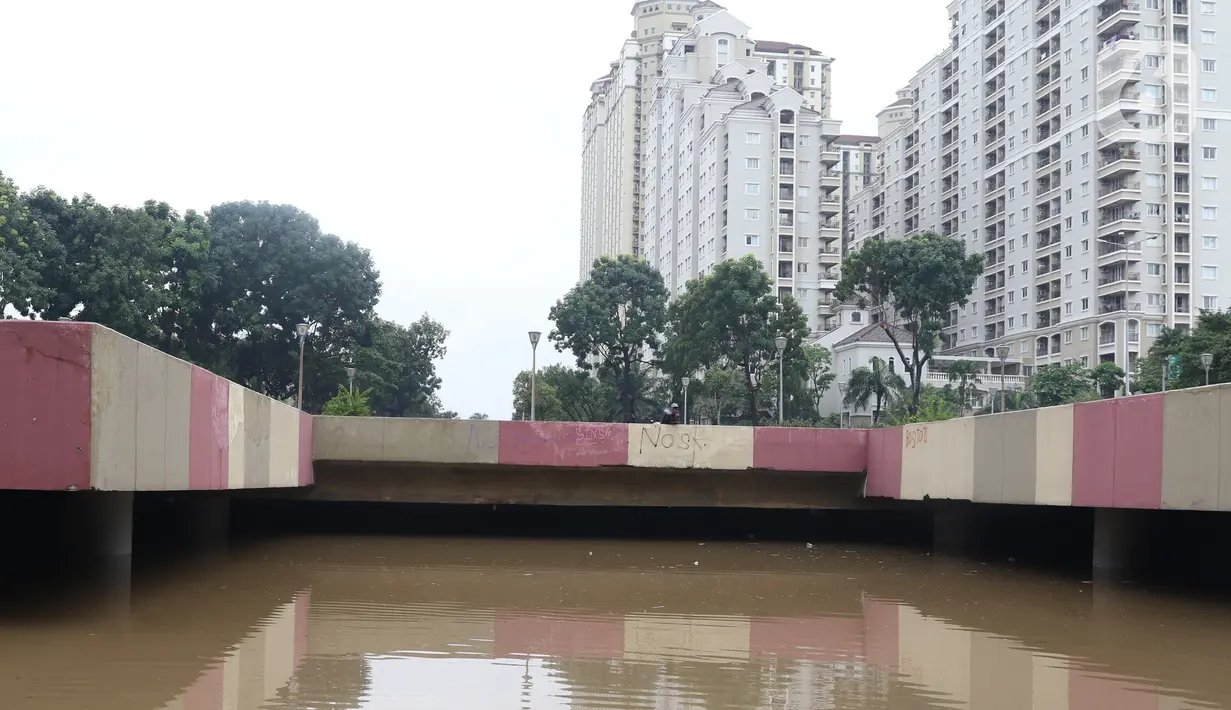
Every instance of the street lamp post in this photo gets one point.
(780, 343)
(1207, 360)
(842, 419)
(302, 331)
(686, 381)
(1002, 352)
(534, 366)
(350, 378)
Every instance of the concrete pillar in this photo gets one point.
(953, 528)
(100, 523)
(1120, 541)
(204, 518)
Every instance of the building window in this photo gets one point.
(1209, 183)
(752, 163)
(1209, 242)
(1085, 333)
(752, 188)
(1209, 212)
(752, 240)
(1085, 304)
(1209, 66)
(1209, 152)
(752, 138)
(1209, 95)
(1209, 37)
(1210, 303)
(1209, 273)
(752, 215)
(1153, 330)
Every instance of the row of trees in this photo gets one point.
(223, 290)
(633, 349)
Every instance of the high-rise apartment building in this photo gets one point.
(737, 163)
(665, 52)
(1079, 146)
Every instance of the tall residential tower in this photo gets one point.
(616, 180)
(1079, 146)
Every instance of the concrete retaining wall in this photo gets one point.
(571, 444)
(94, 409)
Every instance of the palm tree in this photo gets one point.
(877, 382)
(966, 374)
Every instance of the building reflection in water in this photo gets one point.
(385, 625)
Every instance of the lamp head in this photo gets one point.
(780, 342)
(1207, 359)
(302, 330)
(350, 372)
(686, 381)
(534, 337)
(1002, 352)
(622, 314)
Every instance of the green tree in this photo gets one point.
(190, 272)
(872, 383)
(1212, 335)
(731, 317)
(478, 417)
(935, 405)
(109, 267)
(720, 388)
(614, 317)
(965, 373)
(1058, 384)
(281, 269)
(348, 404)
(1107, 379)
(913, 283)
(547, 407)
(818, 374)
(25, 249)
(399, 364)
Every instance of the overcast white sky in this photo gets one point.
(444, 136)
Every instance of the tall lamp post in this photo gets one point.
(1002, 352)
(1207, 360)
(686, 381)
(534, 367)
(350, 378)
(780, 343)
(302, 330)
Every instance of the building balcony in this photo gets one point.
(829, 156)
(1117, 17)
(1118, 70)
(1119, 222)
(1109, 254)
(831, 178)
(830, 206)
(1124, 161)
(1125, 133)
(828, 255)
(1119, 193)
(1129, 282)
(1128, 44)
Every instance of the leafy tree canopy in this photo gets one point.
(348, 404)
(614, 317)
(914, 283)
(731, 318)
(1212, 335)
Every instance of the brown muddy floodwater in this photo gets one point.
(386, 623)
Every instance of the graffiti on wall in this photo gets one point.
(669, 438)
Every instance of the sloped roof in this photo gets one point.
(875, 333)
(784, 47)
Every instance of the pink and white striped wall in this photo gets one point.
(86, 407)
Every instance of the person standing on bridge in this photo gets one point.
(673, 415)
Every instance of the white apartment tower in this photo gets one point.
(736, 162)
(1079, 146)
(613, 184)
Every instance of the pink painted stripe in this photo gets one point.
(305, 449)
(884, 463)
(206, 693)
(1094, 459)
(563, 444)
(45, 382)
(826, 639)
(1139, 452)
(559, 637)
(829, 450)
(880, 621)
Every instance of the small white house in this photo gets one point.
(857, 340)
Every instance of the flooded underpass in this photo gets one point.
(397, 607)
